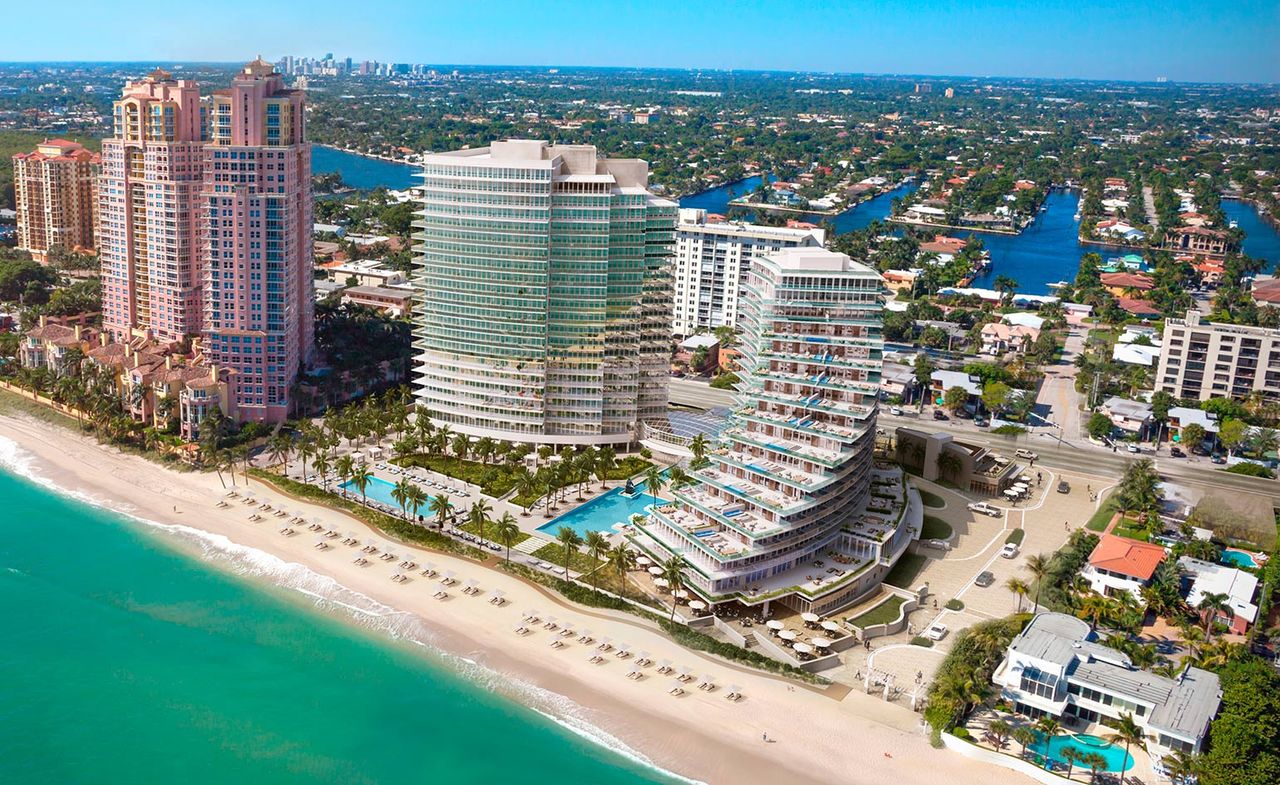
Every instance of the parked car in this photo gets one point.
(964, 414)
(1064, 486)
(985, 509)
(1198, 450)
(941, 545)
(1177, 452)
(1218, 457)
(1009, 550)
(984, 579)
(936, 631)
(896, 411)
(1023, 452)
(1133, 449)
(981, 422)
(938, 414)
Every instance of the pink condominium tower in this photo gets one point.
(151, 170)
(256, 216)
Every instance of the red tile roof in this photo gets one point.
(1128, 280)
(1137, 307)
(1127, 557)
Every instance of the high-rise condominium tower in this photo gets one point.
(55, 193)
(151, 169)
(789, 481)
(544, 294)
(255, 220)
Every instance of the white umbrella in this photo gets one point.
(774, 624)
(812, 618)
(681, 593)
(821, 643)
(643, 561)
(787, 635)
(697, 605)
(803, 648)
(830, 626)
(661, 582)
(655, 570)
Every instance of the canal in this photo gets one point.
(362, 172)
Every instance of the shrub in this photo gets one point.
(974, 655)
(961, 732)
(954, 604)
(725, 381)
(1016, 536)
(1251, 470)
(920, 640)
(1009, 430)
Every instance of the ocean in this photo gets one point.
(140, 653)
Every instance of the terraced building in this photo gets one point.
(791, 507)
(543, 294)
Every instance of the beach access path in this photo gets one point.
(812, 736)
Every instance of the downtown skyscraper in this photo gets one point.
(544, 294)
(205, 223)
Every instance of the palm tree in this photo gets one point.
(673, 571)
(570, 540)
(1000, 730)
(1095, 608)
(1020, 589)
(1128, 733)
(415, 498)
(478, 516)
(1072, 756)
(321, 465)
(527, 488)
(698, 446)
(597, 547)
(606, 462)
(655, 482)
(621, 558)
(1210, 606)
(1038, 565)
(360, 478)
(442, 508)
(400, 492)
(1025, 736)
(1181, 767)
(506, 531)
(278, 450)
(1093, 761)
(346, 467)
(460, 446)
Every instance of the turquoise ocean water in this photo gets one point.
(128, 656)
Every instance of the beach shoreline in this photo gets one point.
(700, 736)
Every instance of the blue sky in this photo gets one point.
(1208, 40)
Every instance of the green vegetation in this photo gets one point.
(922, 641)
(1054, 587)
(904, 573)
(1102, 516)
(578, 561)
(963, 680)
(495, 481)
(935, 529)
(1009, 430)
(1016, 536)
(725, 381)
(883, 613)
(932, 499)
(954, 604)
(1251, 470)
(1244, 741)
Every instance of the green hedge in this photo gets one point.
(388, 524)
(935, 529)
(932, 499)
(1251, 470)
(920, 640)
(954, 605)
(1016, 536)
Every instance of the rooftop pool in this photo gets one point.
(602, 512)
(379, 490)
(1115, 756)
(1235, 558)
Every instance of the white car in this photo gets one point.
(985, 509)
(896, 411)
(936, 631)
(1023, 452)
(1009, 551)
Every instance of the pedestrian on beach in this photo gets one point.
(1066, 526)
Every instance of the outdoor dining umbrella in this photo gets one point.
(830, 626)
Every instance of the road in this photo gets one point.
(698, 394)
(1089, 459)
(1058, 401)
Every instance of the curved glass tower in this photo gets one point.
(544, 294)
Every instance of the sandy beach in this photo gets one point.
(813, 735)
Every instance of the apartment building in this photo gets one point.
(1202, 360)
(712, 259)
(54, 190)
(789, 481)
(544, 294)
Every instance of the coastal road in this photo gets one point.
(698, 394)
(1086, 458)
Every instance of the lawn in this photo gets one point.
(1099, 520)
(905, 571)
(883, 613)
(935, 529)
(932, 499)
(1132, 532)
(494, 480)
(490, 532)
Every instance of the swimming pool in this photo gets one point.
(1115, 756)
(601, 513)
(1238, 559)
(380, 490)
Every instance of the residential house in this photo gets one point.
(1117, 230)
(997, 338)
(1199, 240)
(941, 381)
(1240, 588)
(1125, 284)
(896, 379)
(393, 302)
(1119, 564)
(1055, 667)
(1129, 416)
(689, 348)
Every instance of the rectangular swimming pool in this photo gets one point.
(379, 490)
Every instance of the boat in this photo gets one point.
(1058, 285)
(1234, 225)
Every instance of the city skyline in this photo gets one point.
(1086, 40)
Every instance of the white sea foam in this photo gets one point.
(331, 596)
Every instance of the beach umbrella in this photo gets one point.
(697, 605)
(681, 593)
(655, 570)
(624, 648)
(449, 574)
(821, 643)
(830, 626)
(431, 566)
(802, 648)
(473, 583)
(665, 664)
(643, 561)
(499, 593)
(811, 618)
(787, 635)
(643, 655)
(661, 583)
(585, 633)
(774, 624)
(735, 689)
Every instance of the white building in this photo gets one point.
(1119, 564)
(712, 261)
(1203, 360)
(1055, 667)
